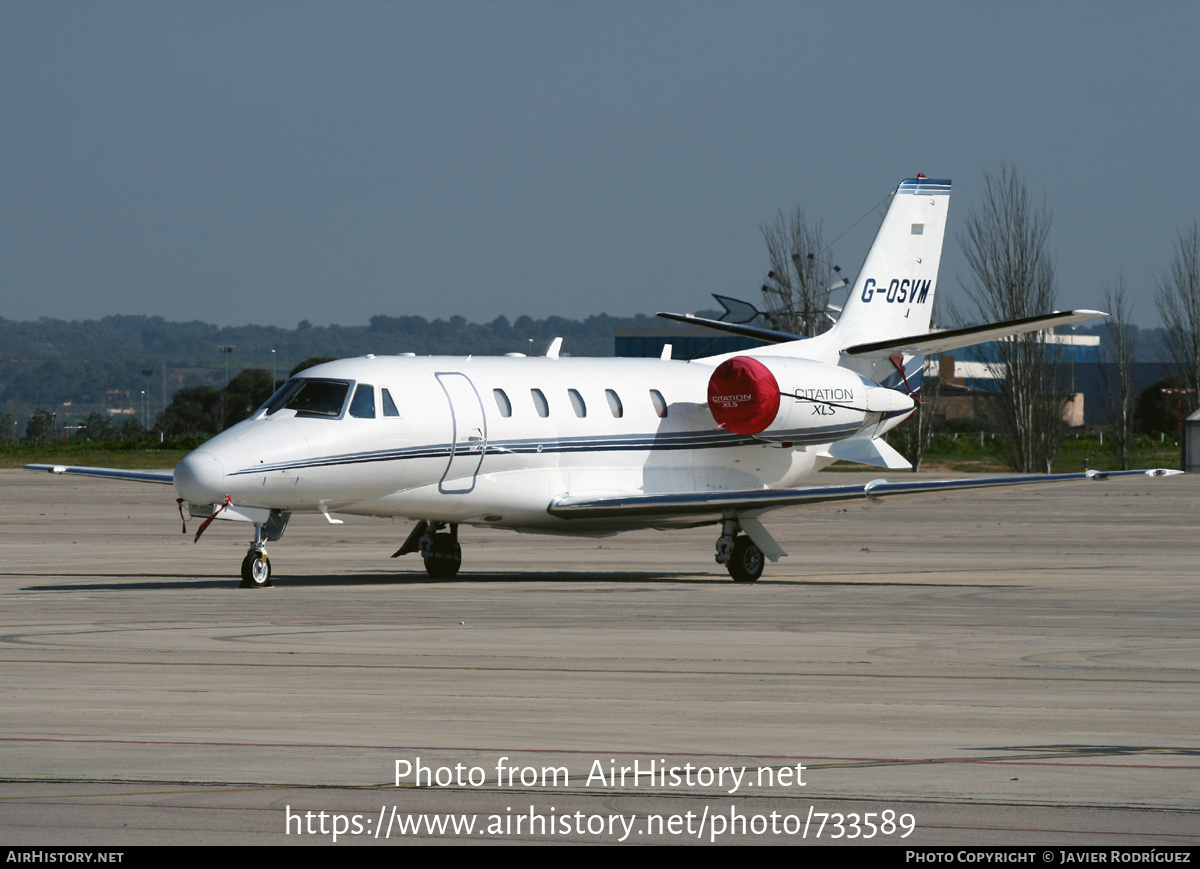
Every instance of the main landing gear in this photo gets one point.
(439, 549)
(737, 552)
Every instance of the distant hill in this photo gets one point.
(80, 367)
(97, 365)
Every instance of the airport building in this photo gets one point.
(687, 342)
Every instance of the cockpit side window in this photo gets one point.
(389, 406)
(363, 404)
(310, 397)
(281, 395)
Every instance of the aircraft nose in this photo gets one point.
(200, 479)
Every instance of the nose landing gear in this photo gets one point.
(256, 568)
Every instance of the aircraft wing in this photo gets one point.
(167, 477)
(754, 502)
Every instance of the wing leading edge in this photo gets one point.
(166, 477)
(719, 504)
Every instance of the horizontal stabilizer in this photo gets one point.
(953, 339)
(867, 452)
(771, 336)
(167, 477)
(736, 310)
(725, 504)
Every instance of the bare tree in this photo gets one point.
(796, 294)
(1118, 372)
(1012, 276)
(913, 436)
(1178, 301)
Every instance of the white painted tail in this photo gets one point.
(893, 294)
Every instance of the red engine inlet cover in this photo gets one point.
(743, 395)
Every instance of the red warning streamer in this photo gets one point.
(208, 521)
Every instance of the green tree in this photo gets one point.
(96, 427)
(131, 429)
(247, 392)
(205, 410)
(193, 411)
(1162, 405)
(8, 427)
(309, 363)
(41, 427)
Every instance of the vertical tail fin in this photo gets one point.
(893, 294)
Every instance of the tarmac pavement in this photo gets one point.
(1011, 667)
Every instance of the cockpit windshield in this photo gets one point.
(310, 397)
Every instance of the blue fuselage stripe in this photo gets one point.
(592, 443)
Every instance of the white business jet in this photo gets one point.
(598, 446)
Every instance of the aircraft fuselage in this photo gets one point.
(491, 440)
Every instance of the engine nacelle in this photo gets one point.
(797, 400)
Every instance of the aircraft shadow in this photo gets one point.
(160, 583)
(680, 577)
(143, 582)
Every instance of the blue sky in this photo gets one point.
(267, 162)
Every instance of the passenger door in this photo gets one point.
(468, 436)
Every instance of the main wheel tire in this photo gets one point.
(445, 557)
(256, 570)
(747, 562)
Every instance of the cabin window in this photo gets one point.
(577, 403)
(389, 406)
(614, 403)
(363, 403)
(540, 403)
(310, 398)
(660, 404)
(502, 402)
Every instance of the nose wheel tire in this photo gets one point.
(256, 570)
(747, 562)
(444, 557)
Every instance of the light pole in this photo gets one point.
(226, 349)
(146, 372)
(272, 372)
